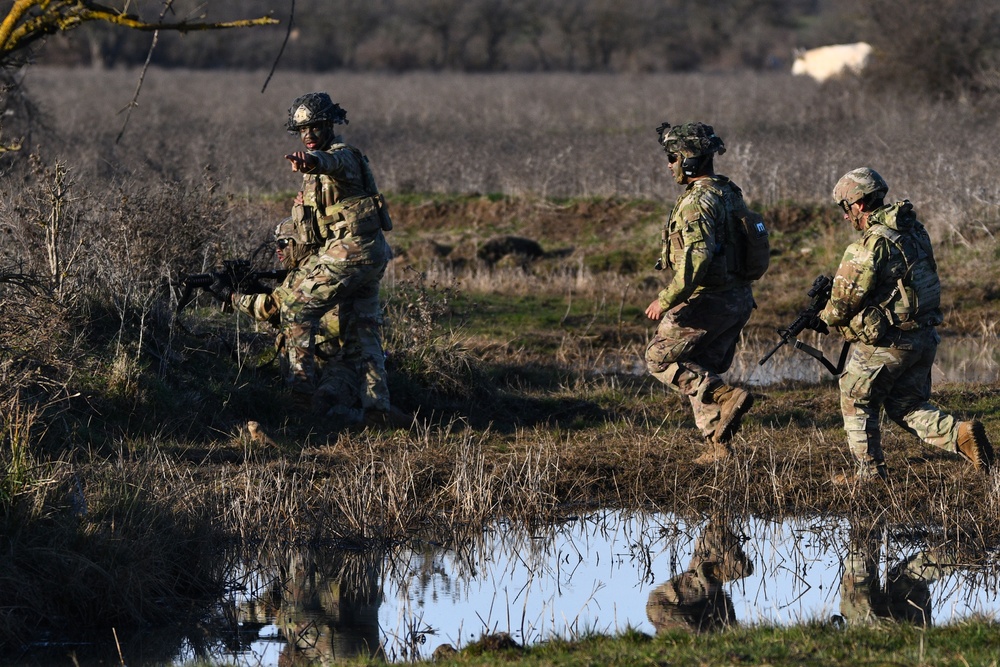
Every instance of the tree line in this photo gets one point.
(947, 47)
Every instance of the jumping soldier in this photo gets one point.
(345, 216)
(709, 299)
(886, 299)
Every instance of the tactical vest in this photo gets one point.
(741, 249)
(910, 297)
(347, 207)
(914, 299)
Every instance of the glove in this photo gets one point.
(222, 290)
(818, 325)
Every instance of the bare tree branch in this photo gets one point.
(30, 20)
(288, 33)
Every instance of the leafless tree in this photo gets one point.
(27, 23)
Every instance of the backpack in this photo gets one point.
(752, 244)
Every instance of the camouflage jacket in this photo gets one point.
(886, 279)
(348, 210)
(279, 307)
(694, 240)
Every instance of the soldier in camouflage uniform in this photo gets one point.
(341, 207)
(886, 300)
(333, 387)
(706, 304)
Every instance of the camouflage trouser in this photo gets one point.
(898, 379)
(363, 347)
(695, 343)
(354, 376)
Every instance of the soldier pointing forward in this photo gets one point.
(343, 215)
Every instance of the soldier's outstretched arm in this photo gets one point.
(301, 161)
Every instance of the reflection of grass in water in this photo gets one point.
(529, 566)
(968, 359)
(372, 487)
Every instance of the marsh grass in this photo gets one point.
(120, 543)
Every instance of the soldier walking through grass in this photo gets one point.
(709, 299)
(886, 300)
(336, 382)
(342, 208)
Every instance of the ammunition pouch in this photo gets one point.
(358, 216)
(383, 213)
(866, 327)
(304, 221)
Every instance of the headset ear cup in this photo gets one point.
(694, 166)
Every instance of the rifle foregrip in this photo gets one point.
(198, 280)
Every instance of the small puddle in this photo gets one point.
(603, 572)
(974, 359)
(959, 359)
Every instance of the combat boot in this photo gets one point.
(863, 473)
(733, 402)
(974, 445)
(714, 453)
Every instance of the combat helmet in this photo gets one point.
(297, 230)
(690, 140)
(286, 229)
(858, 184)
(313, 108)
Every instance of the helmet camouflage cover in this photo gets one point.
(857, 184)
(314, 108)
(286, 229)
(690, 139)
(292, 229)
(296, 229)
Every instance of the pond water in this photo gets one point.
(959, 359)
(600, 572)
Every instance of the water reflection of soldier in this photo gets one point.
(695, 600)
(329, 608)
(904, 597)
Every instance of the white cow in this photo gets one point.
(829, 62)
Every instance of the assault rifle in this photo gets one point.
(808, 318)
(236, 275)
